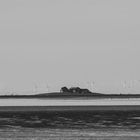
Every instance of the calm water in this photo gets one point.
(71, 102)
(71, 126)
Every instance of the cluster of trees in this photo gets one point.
(74, 90)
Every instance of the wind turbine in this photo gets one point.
(35, 88)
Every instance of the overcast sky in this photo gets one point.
(52, 43)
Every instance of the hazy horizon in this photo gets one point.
(49, 44)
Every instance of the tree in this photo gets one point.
(64, 89)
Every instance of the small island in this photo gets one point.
(72, 92)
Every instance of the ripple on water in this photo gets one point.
(72, 120)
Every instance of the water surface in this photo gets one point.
(80, 125)
(70, 101)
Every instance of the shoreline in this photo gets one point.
(71, 95)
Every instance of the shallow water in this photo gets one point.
(71, 126)
(68, 102)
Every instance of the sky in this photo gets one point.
(47, 44)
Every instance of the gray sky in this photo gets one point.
(69, 42)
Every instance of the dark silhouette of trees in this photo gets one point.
(64, 89)
(74, 90)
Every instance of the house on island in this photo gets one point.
(74, 90)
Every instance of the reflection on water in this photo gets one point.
(87, 125)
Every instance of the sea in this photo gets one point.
(70, 126)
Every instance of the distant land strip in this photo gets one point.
(72, 95)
